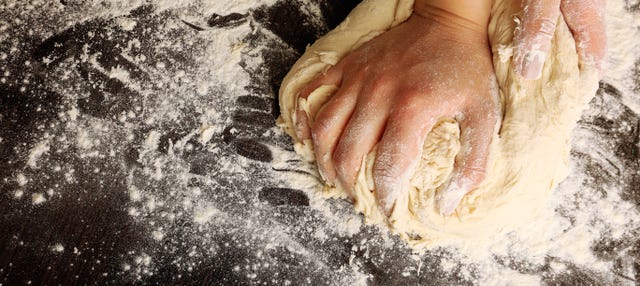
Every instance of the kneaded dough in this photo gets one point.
(528, 155)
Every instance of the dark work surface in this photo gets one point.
(83, 81)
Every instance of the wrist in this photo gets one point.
(469, 14)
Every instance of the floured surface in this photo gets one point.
(142, 149)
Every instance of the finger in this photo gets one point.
(302, 129)
(533, 36)
(308, 108)
(585, 18)
(471, 162)
(399, 153)
(362, 132)
(328, 125)
(333, 76)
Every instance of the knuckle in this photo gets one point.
(380, 83)
(324, 122)
(385, 181)
(385, 172)
(320, 132)
(345, 167)
(412, 111)
(407, 101)
(408, 105)
(382, 176)
(538, 31)
(344, 160)
(547, 27)
(475, 173)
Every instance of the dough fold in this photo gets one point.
(528, 156)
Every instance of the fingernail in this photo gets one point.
(448, 199)
(532, 64)
(323, 161)
(387, 207)
(324, 178)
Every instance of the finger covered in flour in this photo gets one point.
(533, 36)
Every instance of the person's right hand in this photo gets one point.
(393, 90)
(533, 37)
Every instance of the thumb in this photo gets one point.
(533, 36)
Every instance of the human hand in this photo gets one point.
(533, 37)
(391, 92)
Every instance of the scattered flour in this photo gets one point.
(21, 179)
(206, 132)
(58, 247)
(126, 24)
(37, 152)
(38, 198)
(205, 214)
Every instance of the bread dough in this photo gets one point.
(528, 157)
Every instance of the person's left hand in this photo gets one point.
(585, 18)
